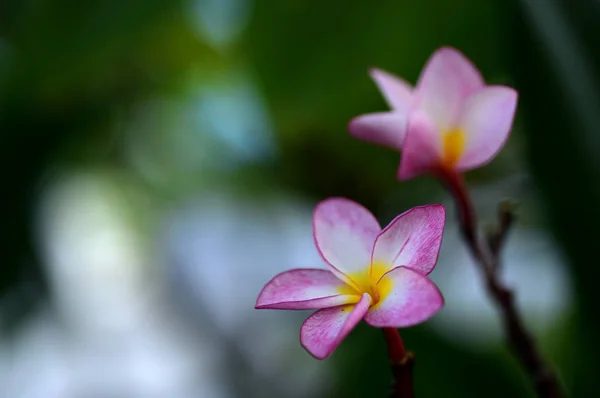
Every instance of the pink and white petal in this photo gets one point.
(323, 331)
(304, 289)
(396, 91)
(422, 149)
(413, 299)
(487, 120)
(344, 233)
(412, 239)
(384, 128)
(448, 78)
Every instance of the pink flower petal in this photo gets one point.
(344, 233)
(384, 128)
(446, 81)
(412, 239)
(304, 289)
(487, 120)
(396, 91)
(422, 147)
(324, 330)
(412, 298)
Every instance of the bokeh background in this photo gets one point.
(160, 160)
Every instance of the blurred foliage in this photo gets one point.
(69, 71)
(67, 68)
(562, 108)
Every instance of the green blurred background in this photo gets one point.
(160, 161)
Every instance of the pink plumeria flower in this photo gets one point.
(374, 274)
(450, 122)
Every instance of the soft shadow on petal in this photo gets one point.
(486, 120)
(412, 239)
(305, 289)
(383, 128)
(323, 331)
(344, 233)
(396, 91)
(409, 298)
(422, 150)
(447, 79)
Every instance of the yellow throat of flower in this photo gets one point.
(453, 145)
(369, 281)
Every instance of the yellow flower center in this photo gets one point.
(453, 146)
(370, 281)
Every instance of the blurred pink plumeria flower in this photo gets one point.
(374, 274)
(450, 122)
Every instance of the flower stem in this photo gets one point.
(401, 362)
(487, 256)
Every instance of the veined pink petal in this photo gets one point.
(324, 330)
(486, 121)
(396, 91)
(383, 128)
(446, 81)
(344, 233)
(412, 298)
(422, 149)
(304, 289)
(412, 239)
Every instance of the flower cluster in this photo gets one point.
(449, 123)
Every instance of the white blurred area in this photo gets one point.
(224, 250)
(154, 271)
(165, 313)
(166, 308)
(531, 262)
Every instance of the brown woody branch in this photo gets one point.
(507, 211)
(486, 253)
(402, 363)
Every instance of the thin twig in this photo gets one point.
(506, 217)
(486, 255)
(401, 363)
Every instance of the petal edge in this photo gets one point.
(304, 289)
(396, 91)
(412, 239)
(412, 299)
(382, 128)
(322, 332)
(487, 121)
(422, 148)
(344, 233)
(447, 79)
